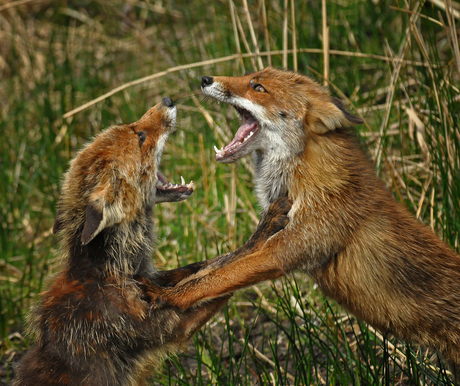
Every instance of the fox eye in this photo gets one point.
(141, 135)
(259, 88)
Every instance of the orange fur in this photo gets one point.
(346, 230)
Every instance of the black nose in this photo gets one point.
(206, 81)
(168, 102)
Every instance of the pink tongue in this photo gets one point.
(244, 130)
(162, 178)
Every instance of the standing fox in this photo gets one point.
(98, 323)
(346, 231)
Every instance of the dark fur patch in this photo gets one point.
(353, 119)
(58, 224)
(93, 219)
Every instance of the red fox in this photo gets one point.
(345, 231)
(98, 323)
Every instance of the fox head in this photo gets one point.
(115, 179)
(279, 109)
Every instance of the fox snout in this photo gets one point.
(168, 102)
(206, 81)
(160, 118)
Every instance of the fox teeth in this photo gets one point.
(219, 152)
(182, 181)
(190, 185)
(249, 136)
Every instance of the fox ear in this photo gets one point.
(353, 120)
(95, 222)
(331, 116)
(105, 208)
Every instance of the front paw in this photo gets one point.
(157, 298)
(161, 298)
(276, 217)
(174, 276)
(170, 299)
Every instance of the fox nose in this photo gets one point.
(168, 102)
(206, 81)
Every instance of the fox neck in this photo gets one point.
(272, 175)
(328, 163)
(123, 250)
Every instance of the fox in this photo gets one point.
(98, 322)
(345, 230)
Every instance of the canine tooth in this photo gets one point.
(182, 181)
(216, 149)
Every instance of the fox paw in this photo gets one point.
(275, 219)
(172, 277)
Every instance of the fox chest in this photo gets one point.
(270, 179)
(92, 305)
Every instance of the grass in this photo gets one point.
(395, 63)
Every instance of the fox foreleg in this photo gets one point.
(250, 264)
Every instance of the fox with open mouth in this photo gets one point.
(346, 231)
(98, 323)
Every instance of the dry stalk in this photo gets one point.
(285, 34)
(294, 37)
(253, 35)
(422, 197)
(453, 32)
(441, 4)
(395, 75)
(235, 32)
(245, 40)
(17, 3)
(266, 34)
(325, 44)
(258, 354)
(228, 58)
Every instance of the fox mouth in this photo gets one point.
(243, 137)
(166, 191)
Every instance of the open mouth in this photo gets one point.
(244, 136)
(166, 191)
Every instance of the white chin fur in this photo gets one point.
(172, 115)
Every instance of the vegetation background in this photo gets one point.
(395, 63)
